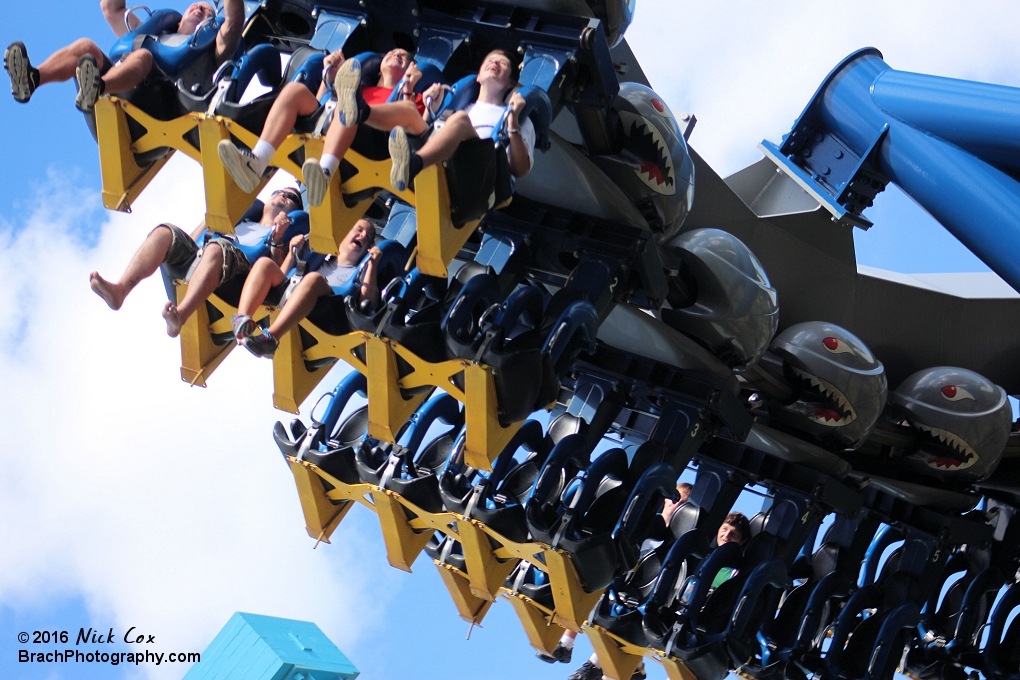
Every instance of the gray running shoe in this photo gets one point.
(24, 78)
(90, 84)
(400, 155)
(317, 181)
(349, 102)
(241, 164)
(243, 326)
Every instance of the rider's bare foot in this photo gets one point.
(106, 290)
(173, 321)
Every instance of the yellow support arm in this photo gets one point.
(322, 515)
(485, 572)
(538, 623)
(573, 604)
(403, 543)
(469, 607)
(123, 178)
(439, 240)
(225, 202)
(619, 660)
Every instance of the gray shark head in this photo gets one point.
(652, 166)
(964, 420)
(842, 385)
(736, 311)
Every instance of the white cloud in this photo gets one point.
(160, 503)
(747, 68)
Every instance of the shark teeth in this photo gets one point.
(951, 441)
(657, 172)
(823, 387)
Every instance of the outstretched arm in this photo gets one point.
(113, 10)
(520, 159)
(229, 36)
(370, 284)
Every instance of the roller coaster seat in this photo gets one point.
(408, 468)
(580, 518)
(329, 312)
(622, 608)
(478, 176)
(330, 444)
(174, 54)
(518, 341)
(497, 499)
(410, 314)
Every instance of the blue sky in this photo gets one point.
(130, 499)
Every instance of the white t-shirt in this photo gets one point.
(484, 117)
(336, 274)
(249, 233)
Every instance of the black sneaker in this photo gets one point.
(561, 654)
(587, 671)
(350, 105)
(24, 78)
(317, 180)
(90, 84)
(261, 344)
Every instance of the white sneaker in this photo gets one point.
(347, 84)
(241, 164)
(317, 181)
(86, 75)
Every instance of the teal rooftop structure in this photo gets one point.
(255, 647)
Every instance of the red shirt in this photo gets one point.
(374, 95)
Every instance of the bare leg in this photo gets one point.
(264, 276)
(441, 145)
(143, 264)
(312, 287)
(295, 100)
(338, 138)
(131, 71)
(397, 114)
(60, 65)
(202, 284)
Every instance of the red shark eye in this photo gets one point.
(659, 106)
(837, 346)
(954, 393)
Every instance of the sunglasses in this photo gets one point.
(289, 195)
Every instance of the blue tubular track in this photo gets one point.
(952, 145)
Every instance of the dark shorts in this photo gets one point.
(183, 250)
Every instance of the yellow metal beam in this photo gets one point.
(200, 355)
(403, 544)
(123, 179)
(676, 669)
(485, 438)
(469, 607)
(292, 381)
(543, 633)
(486, 574)
(225, 202)
(617, 664)
(573, 603)
(322, 516)
(439, 240)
